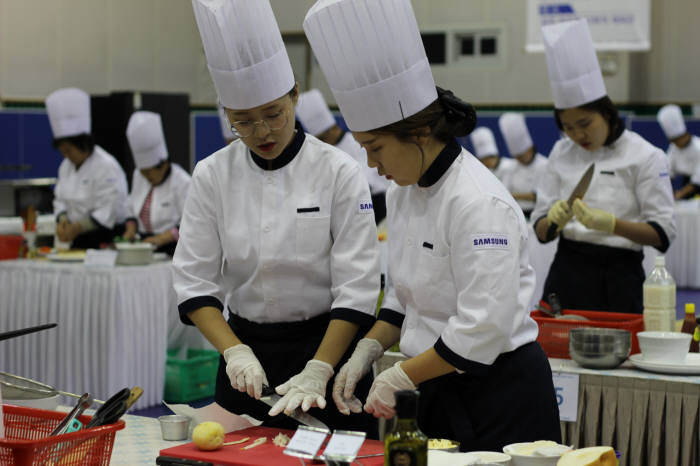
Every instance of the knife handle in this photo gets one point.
(551, 232)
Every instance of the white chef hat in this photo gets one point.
(515, 132)
(373, 58)
(69, 112)
(146, 139)
(226, 131)
(313, 112)
(245, 53)
(572, 65)
(671, 120)
(483, 141)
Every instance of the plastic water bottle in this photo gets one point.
(660, 299)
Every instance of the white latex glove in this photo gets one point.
(381, 400)
(595, 219)
(244, 370)
(366, 352)
(307, 388)
(560, 213)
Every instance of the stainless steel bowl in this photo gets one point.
(599, 348)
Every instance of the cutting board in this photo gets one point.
(265, 454)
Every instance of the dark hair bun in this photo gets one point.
(460, 117)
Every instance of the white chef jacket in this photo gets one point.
(459, 279)
(97, 189)
(283, 244)
(167, 201)
(377, 183)
(631, 180)
(504, 169)
(685, 161)
(525, 178)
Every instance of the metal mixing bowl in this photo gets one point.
(599, 348)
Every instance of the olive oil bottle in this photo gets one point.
(406, 445)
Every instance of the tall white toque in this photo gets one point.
(515, 132)
(69, 112)
(572, 65)
(373, 58)
(483, 141)
(671, 120)
(146, 139)
(246, 56)
(313, 112)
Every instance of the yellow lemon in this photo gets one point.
(208, 435)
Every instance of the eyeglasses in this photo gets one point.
(245, 128)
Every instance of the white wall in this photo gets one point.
(153, 45)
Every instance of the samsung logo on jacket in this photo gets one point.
(492, 241)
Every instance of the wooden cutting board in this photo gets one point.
(265, 454)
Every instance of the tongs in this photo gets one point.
(83, 403)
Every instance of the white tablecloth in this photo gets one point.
(683, 257)
(112, 326)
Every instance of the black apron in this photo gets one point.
(283, 350)
(95, 239)
(512, 401)
(596, 278)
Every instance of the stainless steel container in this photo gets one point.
(599, 348)
(174, 427)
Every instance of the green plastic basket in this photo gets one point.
(190, 379)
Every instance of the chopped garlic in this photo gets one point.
(439, 444)
(258, 441)
(281, 440)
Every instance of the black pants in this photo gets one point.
(283, 350)
(596, 278)
(513, 401)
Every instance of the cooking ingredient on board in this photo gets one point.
(208, 435)
(258, 441)
(591, 456)
(237, 442)
(440, 444)
(281, 440)
(406, 444)
(659, 298)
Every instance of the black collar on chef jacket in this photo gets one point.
(287, 154)
(440, 165)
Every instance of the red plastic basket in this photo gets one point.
(554, 333)
(27, 441)
(10, 246)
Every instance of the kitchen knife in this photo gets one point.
(577, 193)
(25, 331)
(270, 398)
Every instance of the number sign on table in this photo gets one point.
(566, 390)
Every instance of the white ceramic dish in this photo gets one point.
(690, 365)
(443, 458)
(531, 460)
(665, 347)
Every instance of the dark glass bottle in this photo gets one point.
(406, 445)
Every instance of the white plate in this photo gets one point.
(691, 365)
(65, 257)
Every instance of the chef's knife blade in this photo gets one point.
(270, 398)
(578, 192)
(582, 185)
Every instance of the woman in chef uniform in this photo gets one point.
(159, 188)
(277, 224)
(531, 165)
(459, 279)
(486, 150)
(90, 194)
(313, 113)
(629, 203)
(683, 150)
